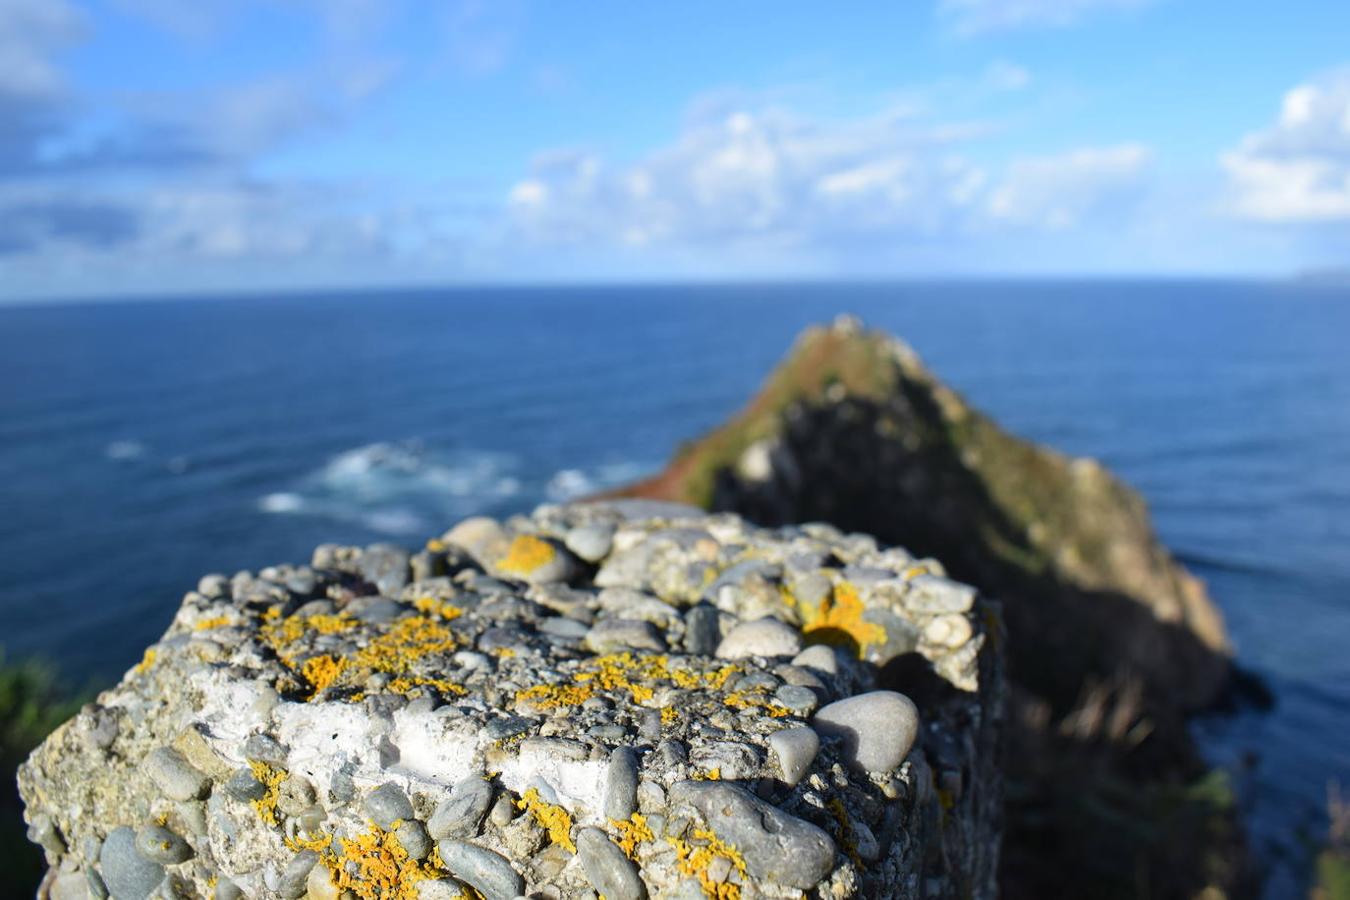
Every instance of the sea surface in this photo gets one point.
(145, 443)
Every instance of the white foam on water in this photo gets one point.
(123, 451)
(407, 488)
(282, 502)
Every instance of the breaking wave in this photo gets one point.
(408, 489)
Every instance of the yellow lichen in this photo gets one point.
(321, 671)
(213, 622)
(431, 606)
(407, 641)
(713, 774)
(552, 696)
(147, 660)
(435, 545)
(694, 860)
(406, 684)
(271, 778)
(631, 833)
(669, 716)
(526, 554)
(374, 866)
(838, 620)
(554, 819)
(752, 700)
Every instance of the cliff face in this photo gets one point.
(1111, 643)
(851, 429)
(621, 699)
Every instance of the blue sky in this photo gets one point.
(164, 146)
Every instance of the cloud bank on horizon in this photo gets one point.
(152, 146)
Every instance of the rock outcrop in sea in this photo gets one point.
(1111, 642)
(618, 699)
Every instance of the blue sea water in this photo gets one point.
(144, 443)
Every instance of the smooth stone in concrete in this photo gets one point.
(388, 804)
(935, 594)
(175, 777)
(795, 749)
(486, 872)
(590, 542)
(159, 844)
(762, 637)
(621, 781)
(876, 730)
(616, 635)
(128, 874)
(776, 846)
(612, 874)
(461, 814)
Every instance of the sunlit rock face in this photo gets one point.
(623, 699)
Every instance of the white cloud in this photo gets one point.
(757, 178)
(31, 33)
(1001, 75)
(969, 17)
(1297, 170)
(1066, 189)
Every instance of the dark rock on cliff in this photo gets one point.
(1111, 642)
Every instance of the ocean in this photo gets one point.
(145, 443)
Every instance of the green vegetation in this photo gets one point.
(32, 703)
(1333, 865)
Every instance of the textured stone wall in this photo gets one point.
(623, 699)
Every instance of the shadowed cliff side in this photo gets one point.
(1111, 642)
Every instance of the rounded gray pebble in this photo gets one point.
(621, 781)
(128, 874)
(590, 542)
(762, 637)
(412, 837)
(801, 700)
(264, 748)
(161, 845)
(388, 804)
(876, 729)
(295, 877)
(614, 635)
(701, 630)
(488, 873)
(612, 874)
(244, 785)
(795, 749)
(461, 814)
(175, 777)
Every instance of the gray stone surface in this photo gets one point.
(612, 874)
(875, 730)
(301, 732)
(776, 846)
(487, 872)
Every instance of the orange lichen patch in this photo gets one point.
(716, 679)
(213, 622)
(271, 778)
(430, 606)
(554, 819)
(406, 684)
(631, 833)
(321, 671)
(752, 700)
(695, 859)
(407, 641)
(318, 844)
(374, 866)
(552, 696)
(838, 620)
(624, 671)
(147, 660)
(526, 554)
(279, 633)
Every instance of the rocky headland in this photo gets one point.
(1111, 643)
(618, 700)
